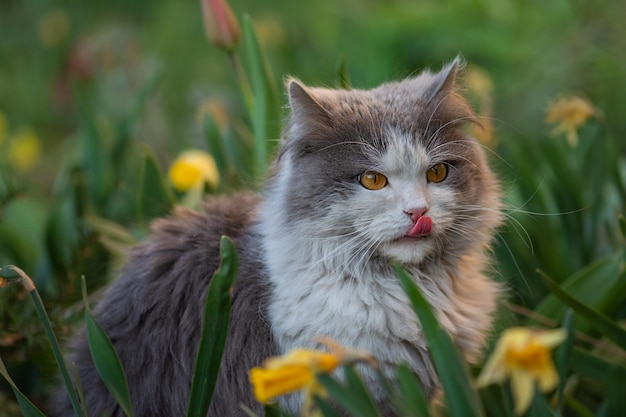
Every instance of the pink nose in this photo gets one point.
(416, 213)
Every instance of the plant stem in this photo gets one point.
(246, 91)
(27, 282)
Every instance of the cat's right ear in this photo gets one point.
(306, 111)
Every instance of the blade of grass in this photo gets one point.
(348, 397)
(11, 272)
(214, 331)
(563, 355)
(263, 115)
(461, 397)
(411, 397)
(343, 77)
(588, 364)
(155, 196)
(28, 408)
(615, 400)
(105, 359)
(325, 408)
(600, 285)
(599, 321)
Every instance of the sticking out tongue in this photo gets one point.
(422, 227)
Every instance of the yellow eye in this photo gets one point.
(437, 173)
(373, 180)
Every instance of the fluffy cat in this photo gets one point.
(363, 178)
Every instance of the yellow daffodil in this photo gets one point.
(24, 149)
(192, 169)
(292, 372)
(297, 371)
(569, 114)
(523, 356)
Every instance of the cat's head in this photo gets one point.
(383, 173)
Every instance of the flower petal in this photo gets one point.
(551, 338)
(522, 388)
(548, 379)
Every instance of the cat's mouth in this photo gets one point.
(420, 230)
(422, 227)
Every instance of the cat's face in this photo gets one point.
(385, 173)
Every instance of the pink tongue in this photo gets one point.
(422, 227)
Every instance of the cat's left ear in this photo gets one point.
(445, 81)
(440, 93)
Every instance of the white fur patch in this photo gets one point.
(340, 285)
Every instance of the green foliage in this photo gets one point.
(214, 331)
(122, 90)
(461, 398)
(106, 361)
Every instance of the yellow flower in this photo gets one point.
(523, 356)
(292, 372)
(569, 114)
(24, 149)
(297, 370)
(192, 169)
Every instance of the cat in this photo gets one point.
(363, 178)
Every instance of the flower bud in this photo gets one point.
(220, 24)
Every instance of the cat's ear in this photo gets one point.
(442, 97)
(306, 111)
(444, 82)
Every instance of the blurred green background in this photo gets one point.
(92, 93)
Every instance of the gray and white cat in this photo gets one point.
(363, 178)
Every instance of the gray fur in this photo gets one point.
(315, 251)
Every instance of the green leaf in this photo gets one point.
(411, 400)
(588, 364)
(54, 344)
(214, 331)
(106, 360)
(563, 356)
(155, 196)
(95, 157)
(343, 77)
(271, 410)
(28, 408)
(578, 407)
(615, 402)
(461, 398)
(348, 397)
(216, 144)
(622, 226)
(599, 321)
(326, 409)
(264, 112)
(600, 285)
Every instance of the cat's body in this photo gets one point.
(315, 250)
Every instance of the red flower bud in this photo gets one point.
(220, 24)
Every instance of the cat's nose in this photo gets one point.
(416, 213)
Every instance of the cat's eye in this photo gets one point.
(437, 173)
(373, 180)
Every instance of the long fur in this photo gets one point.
(315, 252)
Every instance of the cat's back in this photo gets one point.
(153, 312)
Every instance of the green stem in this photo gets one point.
(246, 91)
(43, 316)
